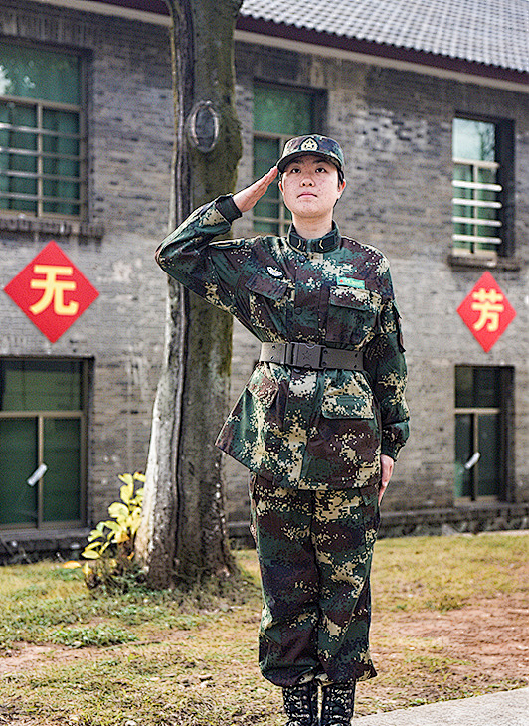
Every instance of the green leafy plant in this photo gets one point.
(111, 544)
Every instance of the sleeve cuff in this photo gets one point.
(390, 449)
(228, 208)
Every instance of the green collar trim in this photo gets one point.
(329, 242)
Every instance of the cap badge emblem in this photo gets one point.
(309, 145)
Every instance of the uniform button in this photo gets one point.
(301, 258)
(298, 311)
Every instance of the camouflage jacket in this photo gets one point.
(306, 428)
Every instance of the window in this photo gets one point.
(279, 114)
(482, 431)
(42, 421)
(42, 133)
(482, 188)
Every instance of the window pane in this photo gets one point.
(49, 78)
(463, 452)
(463, 387)
(40, 386)
(18, 461)
(486, 388)
(33, 73)
(473, 140)
(266, 152)
(283, 111)
(477, 387)
(18, 165)
(266, 227)
(489, 463)
(463, 172)
(62, 485)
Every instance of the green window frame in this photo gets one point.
(279, 114)
(43, 145)
(43, 421)
(483, 188)
(482, 432)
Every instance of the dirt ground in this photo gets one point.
(422, 656)
(447, 655)
(473, 648)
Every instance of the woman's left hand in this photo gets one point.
(387, 467)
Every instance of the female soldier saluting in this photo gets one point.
(320, 422)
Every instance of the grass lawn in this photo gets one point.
(450, 620)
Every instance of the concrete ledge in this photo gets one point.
(30, 545)
(472, 518)
(508, 708)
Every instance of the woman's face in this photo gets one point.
(310, 187)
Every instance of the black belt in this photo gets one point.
(318, 357)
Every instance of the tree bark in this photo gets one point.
(182, 537)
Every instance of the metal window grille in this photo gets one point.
(42, 158)
(476, 207)
(269, 215)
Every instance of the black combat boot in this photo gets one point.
(301, 704)
(337, 704)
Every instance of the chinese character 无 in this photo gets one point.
(489, 303)
(53, 290)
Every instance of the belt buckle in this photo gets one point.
(306, 356)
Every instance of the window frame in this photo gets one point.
(41, 106)
(283, 220)
(505, 416)
(63, 414)
(318, 106)
(504, 164)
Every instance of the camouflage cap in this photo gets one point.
(311, 144)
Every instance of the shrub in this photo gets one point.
(110, 547)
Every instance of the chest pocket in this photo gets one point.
(347, 407)
(267, 301)
(352, 316)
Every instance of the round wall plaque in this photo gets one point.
(203, 126)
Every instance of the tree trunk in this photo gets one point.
(182, 536)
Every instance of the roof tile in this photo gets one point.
(492, 32)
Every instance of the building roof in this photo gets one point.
(488, 32)
(479, 37)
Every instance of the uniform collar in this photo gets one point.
(329, 242)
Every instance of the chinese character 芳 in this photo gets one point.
(489, 304)
(53, 290)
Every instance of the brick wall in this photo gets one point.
(130, 145)
(395, 128)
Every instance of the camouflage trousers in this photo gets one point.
(315, 553)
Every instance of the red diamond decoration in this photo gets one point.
(52, 292)
(486, 311)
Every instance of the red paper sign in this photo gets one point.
(486, 311)
(52, 292)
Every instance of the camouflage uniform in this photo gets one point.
(315, 553)
(312, 438)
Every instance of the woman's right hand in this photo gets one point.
(247, 198)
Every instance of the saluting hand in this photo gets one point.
(247, 198)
